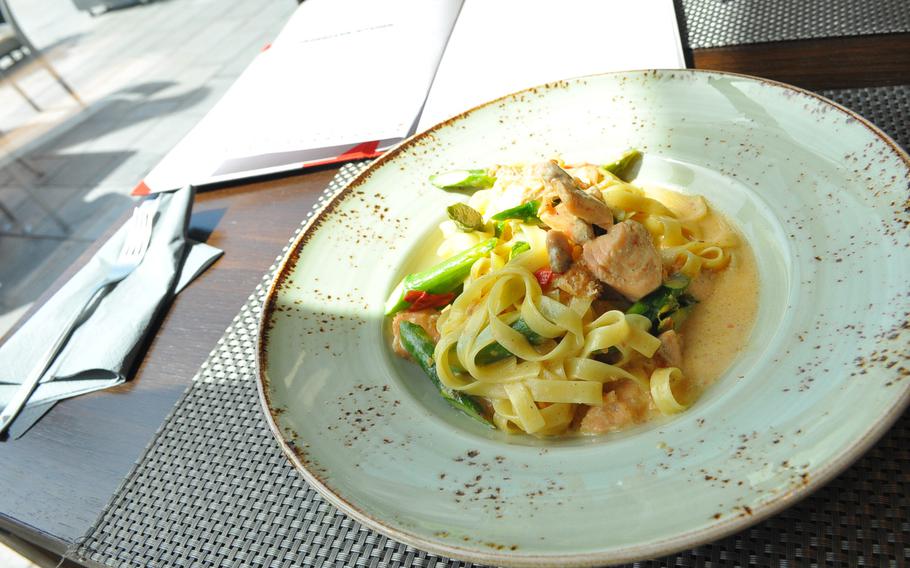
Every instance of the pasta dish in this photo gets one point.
(566, 299)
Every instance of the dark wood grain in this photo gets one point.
(830, 63)
(57, 479)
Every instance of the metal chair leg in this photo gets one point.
(19, 90)
(9, 215)
(53, 72)
(35, 54)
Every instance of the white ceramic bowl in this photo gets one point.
(819, 192)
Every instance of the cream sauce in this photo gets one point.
(717, 329)
(720, 325)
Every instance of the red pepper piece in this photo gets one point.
(544, 277)
(420, 300)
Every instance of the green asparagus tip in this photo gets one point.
(624, 166)
(396, 302)
(439, 279)
(463, 179)
(526, 213)
(518, 248)
(465, 217)
(420, 346)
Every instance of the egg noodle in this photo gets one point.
(540, 387)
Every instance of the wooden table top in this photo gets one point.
(57, 479)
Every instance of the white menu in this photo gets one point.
(501, 46)
(343, 77)
(347, 79)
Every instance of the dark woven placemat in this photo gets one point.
(886, 107)
(715, 23)
(213, 489)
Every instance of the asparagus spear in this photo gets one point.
(526, 212)
(420, 346)
(667, 306)
(465, 217)
(622, 166)
(463, 179)
(496, 352)
(440, 279)
(518, 248)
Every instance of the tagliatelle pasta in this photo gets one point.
(478, 318)
(662, 390)
(560, 301)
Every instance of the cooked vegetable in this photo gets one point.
(526, 212)
(676, 318)
(668, 306)
(623, 166)
(526, 331)
(518, 248)
(559, 251)
(422, 300)
(443, 278)
(463, 179)
(678, 281)
(496, 352)
(465, 217)
(420, 347)
(544, 277)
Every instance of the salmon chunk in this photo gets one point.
(580, 204)
(424, 318)
(559, 219)
(578, 281)
(585, 175)
(625, 404)
(670, 351)
(625, 259)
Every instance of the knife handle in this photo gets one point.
(28, 386)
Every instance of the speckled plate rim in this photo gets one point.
(683, 541)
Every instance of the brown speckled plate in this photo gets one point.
(821, 195)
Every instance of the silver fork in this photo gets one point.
(135, 243)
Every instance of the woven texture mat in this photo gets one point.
(715, 23)
(213, 488)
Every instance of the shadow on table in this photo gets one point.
(64, 189)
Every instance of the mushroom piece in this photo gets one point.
(559, 250)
